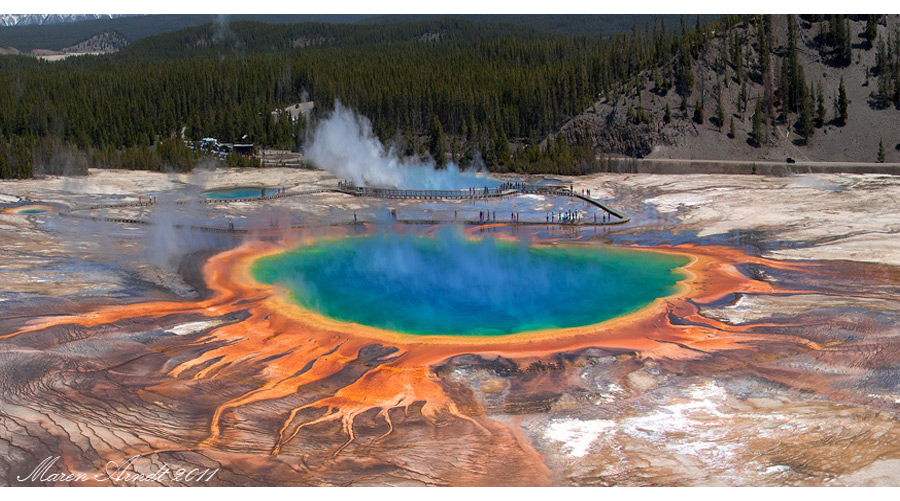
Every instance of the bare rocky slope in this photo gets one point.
(608, 123)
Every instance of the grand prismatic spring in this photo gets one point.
(448, 285)
(714, 331)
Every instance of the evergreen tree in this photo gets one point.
(881, 150)
(871, 31)
(846, 48)
(843, 40)
(840, 39)
(720, 110)
(174, 154)
(668, 116)
(763, 44)
(881, 60)
(501, 148)
(698, 112)
(684, 75)
(756, 133)
(820, 107)
(805, 126)
(793, 82)
(436, 142)
(731, 132)
(842, 103)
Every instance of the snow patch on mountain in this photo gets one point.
(30, 19)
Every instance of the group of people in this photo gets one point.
(570, 216)
(574, 216)
(511, 185)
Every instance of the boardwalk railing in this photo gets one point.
(505, 190)
(474, 193)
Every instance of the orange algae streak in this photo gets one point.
(286, 348)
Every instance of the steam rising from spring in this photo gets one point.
(451, 284)
(345, 145)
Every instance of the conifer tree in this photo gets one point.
(842, 103)
(820, 107)
(720, 111)
(846, 49)
(763, 46)
(684, 75)
(871, 32)
(742, 99)
(698, 112)
(501, 147)
(756, 133)
(881, 150)
(436, 142)
(805, 125)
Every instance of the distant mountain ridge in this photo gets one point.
(57, 36)
(44, 19)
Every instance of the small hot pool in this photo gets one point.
(28, 209)
(452, 285)
(244, 192)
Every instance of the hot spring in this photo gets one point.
(234, 193)
(28, 209)
(451, 285)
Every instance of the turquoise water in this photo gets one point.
(238, 193)
(450, 285)
(32, 211)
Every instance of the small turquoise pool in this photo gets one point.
(246, 192)
(452, 285)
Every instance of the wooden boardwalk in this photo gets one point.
(615, 218)
(468, 194)
(480, 194)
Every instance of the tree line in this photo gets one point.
(485, 85)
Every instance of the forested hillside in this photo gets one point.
(814, 88)
(60, 35)
(472, 87)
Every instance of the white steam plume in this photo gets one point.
(345, 145)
